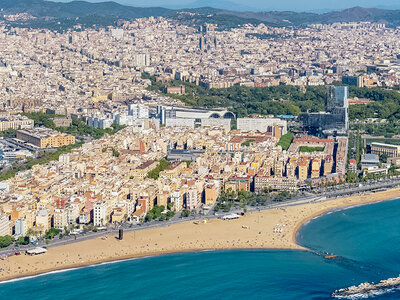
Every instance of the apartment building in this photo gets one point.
(274, 183)
(60, 219)
(100, 214)
(193, 199)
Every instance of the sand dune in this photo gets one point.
(270, 229)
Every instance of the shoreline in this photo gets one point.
(333, 210)
(253, 231)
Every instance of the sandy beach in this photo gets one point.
(269, 229)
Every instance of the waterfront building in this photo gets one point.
(43, 219)
(211, 193)
(176, 199)
(21, 227)
(303, 169)
(272, 183)
(60, 218)
(193, 199)
(100, 214)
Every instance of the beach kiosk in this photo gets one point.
(36, 251)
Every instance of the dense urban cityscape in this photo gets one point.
(152, 121)
(94, 79)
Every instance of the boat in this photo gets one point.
(331, 256)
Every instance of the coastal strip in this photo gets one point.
(270, 229)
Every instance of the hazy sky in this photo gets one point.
(297, 5)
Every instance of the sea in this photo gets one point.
(365, 238)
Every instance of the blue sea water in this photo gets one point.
(367, 238)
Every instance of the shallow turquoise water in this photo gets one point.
(367, 239)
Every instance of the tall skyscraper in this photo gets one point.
(340, 108)
(336, 116)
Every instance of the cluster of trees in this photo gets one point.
(185, 213)
(41, 119)
(155, 173)
(286, 140)
(352, 177)
(386, 105)
(6, 241)
(156, 213)
(242, 199)
(248, 142)
(22, 240)
(246, 100)
(9, 133)
(387, 129)
(79, 128)
(224, 21)
(52, 233)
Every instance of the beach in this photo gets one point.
(269, 229)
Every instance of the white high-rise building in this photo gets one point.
(138, 111)
(176, 198)
(20, 227)
(100, 214)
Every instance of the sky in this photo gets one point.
(264, 5)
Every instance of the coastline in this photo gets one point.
(336, 209)
(253, 231)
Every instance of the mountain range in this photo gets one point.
(108, 13)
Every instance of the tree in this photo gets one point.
(185, 213)
(351, 177)
(155, 173)
(6, 241)
(22, 240)
(51, 233)
(115, 153)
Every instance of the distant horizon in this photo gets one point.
(317, 6)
